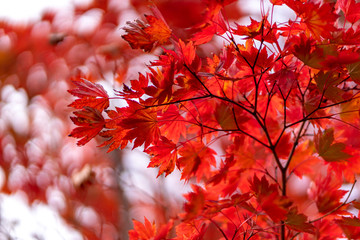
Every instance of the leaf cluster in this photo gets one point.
(273, 105)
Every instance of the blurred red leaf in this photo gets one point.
(325, 191)
(148, 35)
(350, 226)
(350, 8)
(298, 222)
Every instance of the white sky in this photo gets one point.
(23, 10)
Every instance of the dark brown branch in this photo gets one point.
(219, 228)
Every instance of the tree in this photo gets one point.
(37, 158)
(38, 61)
(277, 103)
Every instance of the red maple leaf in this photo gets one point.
(147, 230)
(162, 88)
(350, 8)
(90, 122)
(172, 124)
(148, 35)
(195, 202)
(326, 193)
(163, 155)
(215, 26)
(90, 94)
(350, 226)
(271, 202)
(195, 160)
(142, 125)
(316, 19)
(186, 53)
(298, 221)
(115, 132)
(137, 88)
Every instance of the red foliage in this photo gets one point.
(277, 106)
(281, 106)
(275, 102)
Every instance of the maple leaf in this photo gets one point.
(115, 133)
(354, 71)
(350, 8)
(254, 56)
(216, 25)
(326, 193)
(142, 125)
(339, 59)
(137, 37)
(283, 147)
(191, 230)
(186, 53)
(158, 29)
(318, 19)
(162, 88)
(164, 154)
(147, 230)
(271, 202)
(90, 122)
(261, 31)
(225, 117)
(311, 106)
(321, 56)
(148, 35)
(304, 49)
(251, 31)
(195, 160)
(214, 206)
(223, 172)
(137, 88)
(298, 221)
(172, 124)
(91, 95)
(350, 226)
(285, 79)
(243, 154)
(195, 202)
(328, 150)
(327, 82)
(348, 37)
(303, 161)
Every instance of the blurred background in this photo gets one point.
(50, 187)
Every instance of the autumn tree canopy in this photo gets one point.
(277, 102)
(246, 113)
